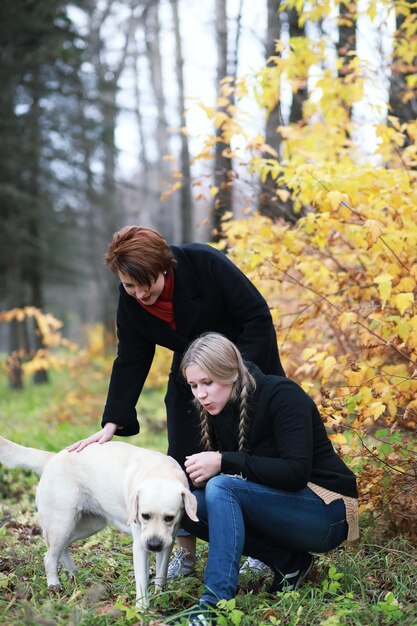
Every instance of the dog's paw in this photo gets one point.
(55, 589)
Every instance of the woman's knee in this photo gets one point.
(221, 484)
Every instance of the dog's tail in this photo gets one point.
(14, 455)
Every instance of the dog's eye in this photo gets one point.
(146, 516)
(169, 518)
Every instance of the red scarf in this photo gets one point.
(164, 306)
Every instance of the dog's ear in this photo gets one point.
(190, 504)
(133, 509)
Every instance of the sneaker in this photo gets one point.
(200, 614)
(290, 581)
(180, 564)
(253, 566)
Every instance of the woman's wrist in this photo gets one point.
(111, 427)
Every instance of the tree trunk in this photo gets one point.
(402, 99)
(300, 96)
(186, 202)
(111, 210)
(35, 266)
(347, 39)
(18, 344)
(163, 216)
(270, 204)
(108, 207)
(268, 200)
(223, 173)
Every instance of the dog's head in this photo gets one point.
(158, 506)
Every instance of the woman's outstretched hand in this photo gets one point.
(202, 466)
(101, 437)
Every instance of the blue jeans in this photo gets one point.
(238, 517)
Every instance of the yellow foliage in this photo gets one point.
(338, 438)
(342, 281)
(342, 286)
(48, 331)
(161, 365)
(403, 301)
(96, 340)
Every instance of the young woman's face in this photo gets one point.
(146, 295)
(212, 395)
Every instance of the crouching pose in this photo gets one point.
(269, 484)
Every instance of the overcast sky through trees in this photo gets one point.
(197, 29)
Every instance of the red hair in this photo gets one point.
(141, 253)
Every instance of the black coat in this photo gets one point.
(210, 294)
(287, 444)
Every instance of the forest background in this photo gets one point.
(283, 133)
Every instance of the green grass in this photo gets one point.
(372, 583)
(69, 408)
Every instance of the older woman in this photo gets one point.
(268, 483)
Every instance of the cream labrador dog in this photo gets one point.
(140, 492)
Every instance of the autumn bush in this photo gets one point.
(341, 284)
(340, 275)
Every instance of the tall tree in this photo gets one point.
(402, 96)
(301, 93)
(186, 202)
(268, 200)
(163, 214)
(346, 45)
(40, 53)
(107, 213)
(270, 203)
(223, 168)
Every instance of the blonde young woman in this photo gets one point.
(269, 483)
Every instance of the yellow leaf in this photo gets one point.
(373, 231)
(214, 190)
(337, 438)
(256, 258)
(375, 410)
(328, 367)
(222, 102)
(209, 111)
(220, 119)
(283, 194)
(403, 301)
(394, 121)
(335, 198)
(308, 352)
(381, 278)
(227, 215)
(346, 319)
(406, 284)
(266, 251)
(403, 329)
(384, 282)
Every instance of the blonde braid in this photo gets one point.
(205, 430)
(244, 393)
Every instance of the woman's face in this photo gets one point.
(146, 295)
(212, 395)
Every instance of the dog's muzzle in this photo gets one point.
(154, 544)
